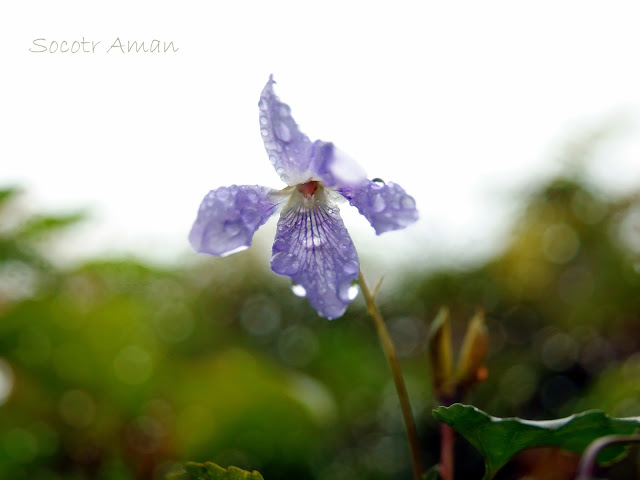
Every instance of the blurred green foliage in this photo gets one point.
(120, 370)
(211, 471)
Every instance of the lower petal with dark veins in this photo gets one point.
(313, 248)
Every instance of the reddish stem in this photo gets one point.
(447, 440)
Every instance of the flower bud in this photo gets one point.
(440, 356)
(473, 353)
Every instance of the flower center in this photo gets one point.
(309, 188)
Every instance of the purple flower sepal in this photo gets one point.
(312, 245)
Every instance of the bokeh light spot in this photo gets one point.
(77, 408)
(297, 345)
(260, 315)
(560, 243)
(559, 352)
(133, 365)
(518, 384)
(20, 445)
(173, 323)
(18, 280)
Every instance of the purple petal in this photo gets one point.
(314, 249)
(387, 207)
(229, 216)
(333, 167)
(287, 147)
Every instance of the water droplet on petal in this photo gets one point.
(250, 217)
(283, 132)
(273, 158)
(408, 202)
(263, 120)
(298, 290)
(350, 268)
(378, 203)
(348, 290)
(378, 182)
(353, 290)
(235, 250)
(222, 193)
(285, 263)
(232, 228)
(264, 132)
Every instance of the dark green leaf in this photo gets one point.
(211, 471)
(499, 439)
(7, 194)
(432, 474)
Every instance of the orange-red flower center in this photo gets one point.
(309, 188)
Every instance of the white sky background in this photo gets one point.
(462, 103)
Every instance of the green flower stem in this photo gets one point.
(586, 470)
(390, 352)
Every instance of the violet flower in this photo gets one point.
(312, 245)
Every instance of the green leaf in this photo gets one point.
(499, 439)
(211, 471)
(432, 474)
(45, 224)
(7, 194)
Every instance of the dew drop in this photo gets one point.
(408, 202)
(378, 182)
(273, 158)
(263, 120)
(378, 203)
(285, 263)
(250, 216)
(232, 228)
(348, 290)
(222, 193)
(353, 290)
(264, 132)
(283, 132)
(234, 250)
(298, 290)
(350, 268)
